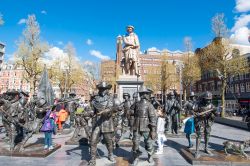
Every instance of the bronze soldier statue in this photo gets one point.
(131, 117)
(81, 121)
(12, 115)
(144, 125)
(117, 110)
(71, 108)
(172, 109)
(102, 121)
(205, 113)
(126, 111)
(190, 104)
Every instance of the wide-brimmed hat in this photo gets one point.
(12, 92)
(143, 89)
(130, 26)
(103, 85)
(126, 94)
(72, 94)
(207, 95)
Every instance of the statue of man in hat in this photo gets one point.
(131, 51)
(102, 121)
(172, 109)
(126, 110)
(144, 125)
(204, 121)
(71, 107)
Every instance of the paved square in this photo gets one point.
(71, 155)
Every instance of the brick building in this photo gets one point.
(11, 77)
(2, 51)
(238, 87)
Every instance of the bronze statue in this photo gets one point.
(102, 121)
(117, 111)
(172, 109)
(71, 108)
(144, 125)
(204, 113)
(81, 121)
(237, 147)
(126, 111)
(130, 61)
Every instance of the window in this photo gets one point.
(248, 86)
(236, 88)
(242, 87)
(242, 77)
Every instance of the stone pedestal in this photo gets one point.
(218, 158)
(128, 84)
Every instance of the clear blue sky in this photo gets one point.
(158, 23)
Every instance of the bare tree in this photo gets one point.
(30, 51)
(219, 26)
(191, 71)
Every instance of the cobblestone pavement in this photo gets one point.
(72, 155)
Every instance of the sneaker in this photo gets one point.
(46, 147)
(51, 148)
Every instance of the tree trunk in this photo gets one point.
(223, 87)
(185, 94)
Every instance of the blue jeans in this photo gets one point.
(48, 138)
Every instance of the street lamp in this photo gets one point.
(179, 66)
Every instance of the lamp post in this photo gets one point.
(179, 65)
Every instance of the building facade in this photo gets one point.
(2, 52)
(237, 92)
(12, 77)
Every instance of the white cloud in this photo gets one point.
(153, 49)
(241, 21)
(44, 12)
(89, 42)
(99, 55)
(240, 36)
(21, 21)
(242, 5)
(53, 54)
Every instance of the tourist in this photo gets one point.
(48, 128)
(160, 131)
(189, 128)
(62, 116)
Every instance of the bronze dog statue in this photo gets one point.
(237, 147)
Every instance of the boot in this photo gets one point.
(150, 159)
(206, 145)
(197, 153)
(111, 158)
(134, 160)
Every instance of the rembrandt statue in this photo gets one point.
(130, 60)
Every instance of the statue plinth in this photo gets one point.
(128, 84)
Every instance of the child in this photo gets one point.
(160, 131)
(48, 128)
(189, 129)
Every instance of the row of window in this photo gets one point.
(237, 88)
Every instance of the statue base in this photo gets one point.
(217, 158)
(80, 141)
(31, 150)
(128, 84)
